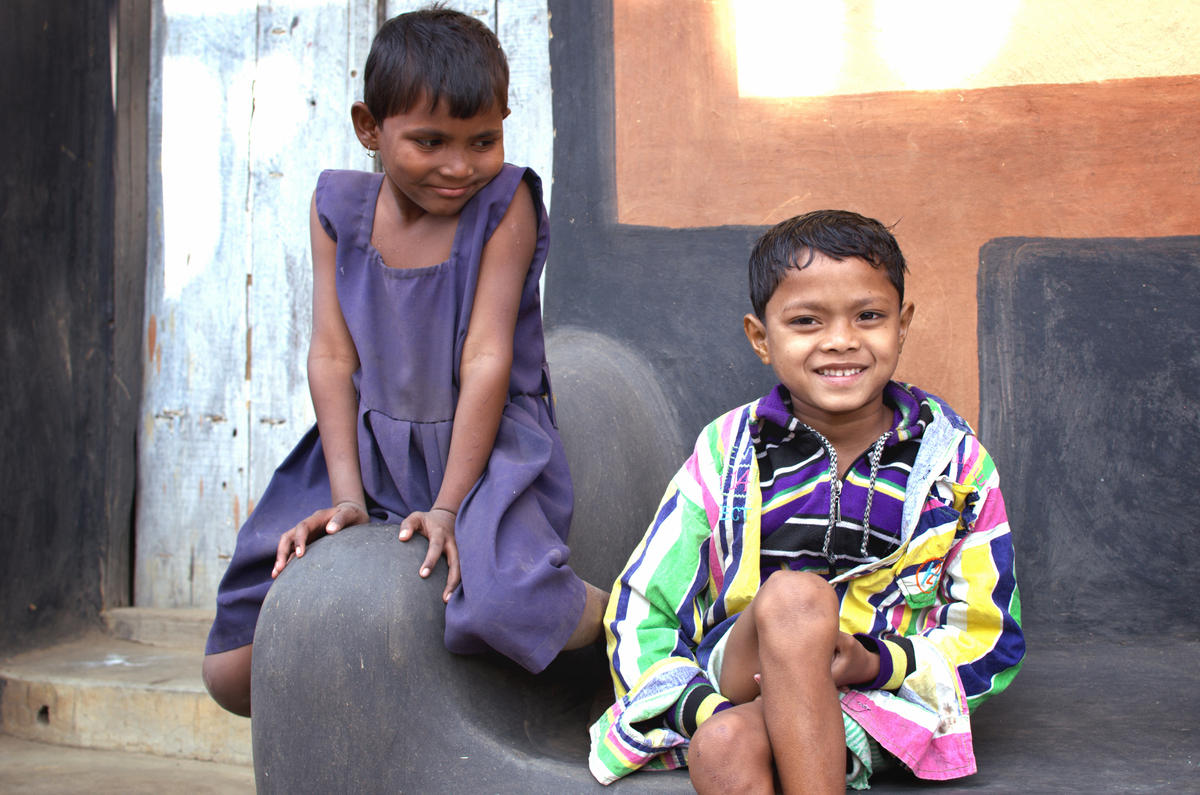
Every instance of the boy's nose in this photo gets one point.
(839, 336)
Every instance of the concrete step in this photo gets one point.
(107, 693)
(177, 627)
(30, 768)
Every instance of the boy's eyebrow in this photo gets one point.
(805, 303)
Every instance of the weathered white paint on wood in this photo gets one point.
(253, 102)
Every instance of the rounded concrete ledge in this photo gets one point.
(354, 690)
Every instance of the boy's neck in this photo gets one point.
(853, 435)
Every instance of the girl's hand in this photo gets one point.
(436, 524)
(326, 521)
(852, 663)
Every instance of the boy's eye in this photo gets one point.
(804, 320)
(871, 314)
(485, 144)
(428, 143)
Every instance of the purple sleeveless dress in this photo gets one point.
(408, 326)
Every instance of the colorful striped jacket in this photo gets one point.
(949, 590)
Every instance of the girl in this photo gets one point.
(427, 366)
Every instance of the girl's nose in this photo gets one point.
(458, 165)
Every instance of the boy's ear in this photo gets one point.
(756, 332)
(365, 126)
(906, 316)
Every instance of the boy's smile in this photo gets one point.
(832, 332)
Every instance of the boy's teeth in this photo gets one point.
(839, 373)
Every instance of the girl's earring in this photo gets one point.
(371, 153)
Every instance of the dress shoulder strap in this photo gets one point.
(346, 201)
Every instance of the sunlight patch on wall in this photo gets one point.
(936, 44)
(789, 48)
(798, 48)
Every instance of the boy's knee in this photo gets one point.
(796, 601)
(730, 752)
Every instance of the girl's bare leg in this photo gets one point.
(227, 677)
(590, 626)
(787, 635)
(730, 752)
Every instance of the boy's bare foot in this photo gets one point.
(590, 626)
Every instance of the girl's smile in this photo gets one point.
(435, 162)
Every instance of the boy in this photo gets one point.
(831, 568)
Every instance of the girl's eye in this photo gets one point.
(428, 143)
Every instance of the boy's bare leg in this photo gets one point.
(590, 626)
(787, 635)
(731, 752)
(227, 677)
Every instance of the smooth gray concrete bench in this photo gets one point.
(1090, 374)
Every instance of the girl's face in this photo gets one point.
(434, 162)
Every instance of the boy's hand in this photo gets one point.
(438, 526)
(323, 522)
(852, 663)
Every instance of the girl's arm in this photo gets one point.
(332, 361)
(485, 372)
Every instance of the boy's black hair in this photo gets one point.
(437, 55)
(838, 234)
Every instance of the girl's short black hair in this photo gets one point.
(838, 234)
(435, 55)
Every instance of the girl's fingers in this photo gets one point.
(431, 556)
(342, 518)
(283, 553)
(455, 575)
(406, 528)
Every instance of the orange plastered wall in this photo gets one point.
(951, 168)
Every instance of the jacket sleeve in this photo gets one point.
(655, 620)
(975, 620)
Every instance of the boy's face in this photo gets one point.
(832, 333)
(432, 160)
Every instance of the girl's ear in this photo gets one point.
(756, 332)
(365, 126)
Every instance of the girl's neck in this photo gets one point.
(405, 235)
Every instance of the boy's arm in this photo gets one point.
(975, 623)
(654, 620)
(654, 596)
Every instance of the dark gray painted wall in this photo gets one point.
(1090, 399)
(676, 296)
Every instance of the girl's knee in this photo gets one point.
(227, 678)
